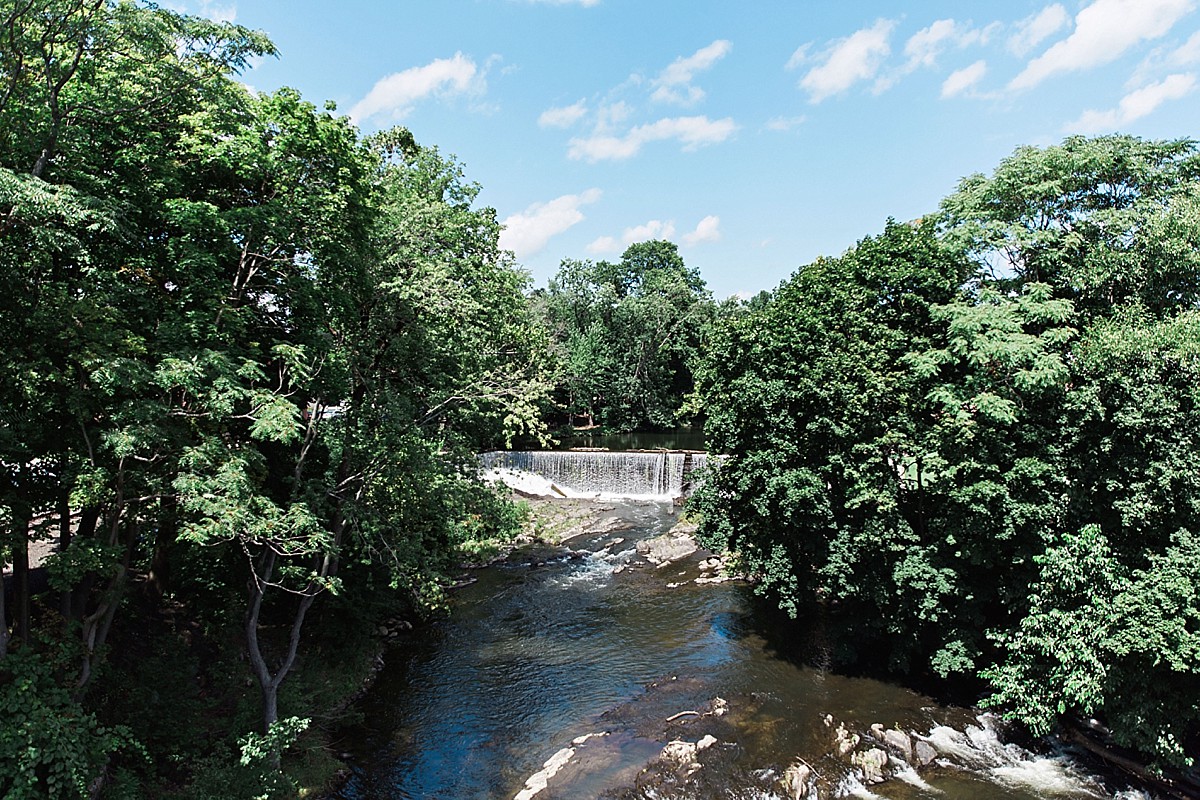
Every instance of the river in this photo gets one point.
(589, 640)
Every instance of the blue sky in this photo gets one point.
(756, 135)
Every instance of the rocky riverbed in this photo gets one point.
(610, 656)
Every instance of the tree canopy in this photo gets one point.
(625, 336)
(972, 440)
(248, 356)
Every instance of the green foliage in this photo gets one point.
(282, 734)
(251, 355)
(809, 396)
(626, 336)
(976, 440)
(1087, 217)
(1055, 661)
(50, 747)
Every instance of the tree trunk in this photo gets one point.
(64, 531)
(96, 626)
(74, 600)
(270, 709)
(20, 558)
(3, 621)
(160, 563)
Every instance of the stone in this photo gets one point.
(872, 763)
(900, 742)
(844, 740)
(668, 548)
(797, 781)
(925, 753)
(578, 740)
(684, 753)
(540, 780)
(877, 731)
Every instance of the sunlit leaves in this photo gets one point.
(626, 335)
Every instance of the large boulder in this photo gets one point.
(683, 754)
(872, 763)
(797, 781)
(900, 743)
(671, 546)
(925, 753)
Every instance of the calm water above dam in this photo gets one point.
(589, 640)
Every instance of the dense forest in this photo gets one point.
(249, 355)
(247, 358)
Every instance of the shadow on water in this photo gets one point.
(591, 641)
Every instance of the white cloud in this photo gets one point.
(924, 46)
(1135, 105)
(209, 9)
(396, 94)
(847, 61)
(692, 132)
(218, 13)
(708, 230)
(1037, 28)
(799, 57)
(674, 84)
(1162, 60)
(964, 79)
(784, 124)
(603, 245)
(612, 116)
(1188, 54)
(654, 229)
(563, 116)
(527, 232)
(1104, 30)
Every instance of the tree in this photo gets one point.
(821, 418)
(254, 357)
(974, 440)
(627, 335)
(1105, 221)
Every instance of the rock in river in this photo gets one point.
(671, 546)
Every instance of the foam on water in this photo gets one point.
(594, 569)
(851, 786)
(1046, 776)
(981, 748)
(910, 776)
(529, 483)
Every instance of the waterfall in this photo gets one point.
(651, 475)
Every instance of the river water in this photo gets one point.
(589, 640)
